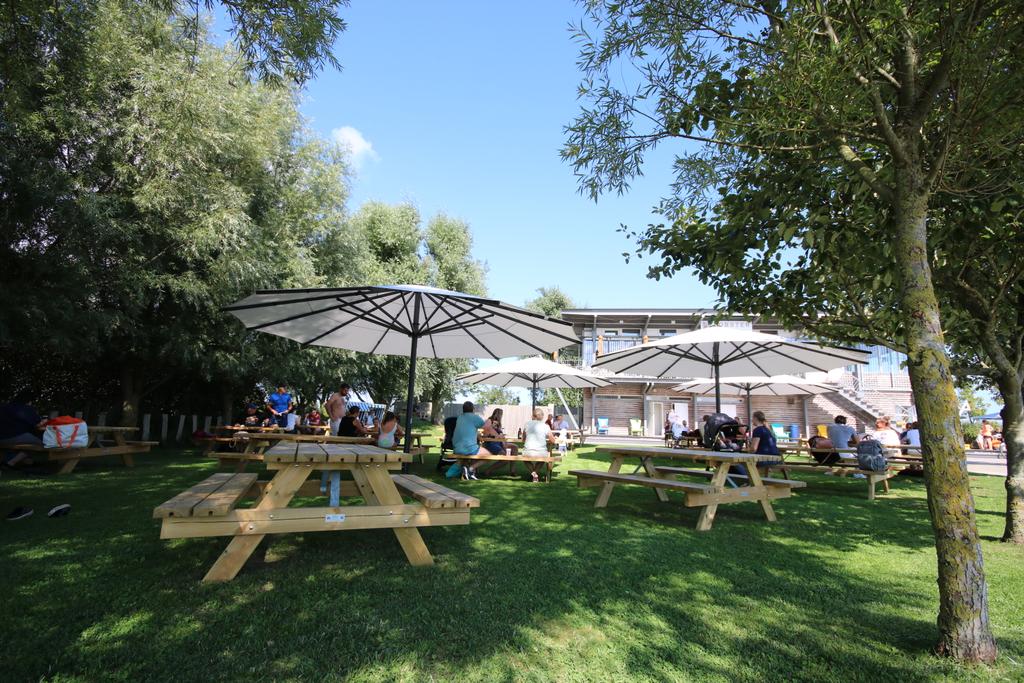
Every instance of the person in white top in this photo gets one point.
(536, 437)
(885, 434)
(913, 435)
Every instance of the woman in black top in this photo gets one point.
(350, 424)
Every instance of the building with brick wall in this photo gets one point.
(882, 387)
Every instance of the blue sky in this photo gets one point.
(459, 107)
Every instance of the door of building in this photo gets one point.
(657, 422)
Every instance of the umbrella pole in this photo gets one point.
(533, 398)
(410, 398)
(412, 377)
(750, 415)
(718, 385)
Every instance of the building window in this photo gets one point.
(667, 333)
(609, 333)
(633, 332)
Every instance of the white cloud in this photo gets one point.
(359, 148)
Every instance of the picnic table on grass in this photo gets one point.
(209, 508)
(533, 463)
(94, 448)
(707, 496)
(252, 447)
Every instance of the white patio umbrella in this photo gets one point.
(533, 373)
(734, 350)
(779, 385)
(403, 320)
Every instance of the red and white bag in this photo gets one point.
(65, 432)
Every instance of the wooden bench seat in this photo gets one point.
(841, 469)
(549, 461)
(432, 494)
(513, 458)
(592, 478)
(791, 483)
(696, 495)
(215, 496)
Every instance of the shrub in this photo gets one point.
(971, 430)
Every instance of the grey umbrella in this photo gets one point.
(403, 320)
(534, 373)
(733, 350)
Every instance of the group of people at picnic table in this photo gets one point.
(344, 417)
(473, 435)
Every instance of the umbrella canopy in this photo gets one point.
(734, 350)
(534, 373)
(779, 385)
(403, 320)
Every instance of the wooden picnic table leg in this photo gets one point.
(384, 492)
(277, 494)
(707, 514)
(606, 489)
(68, 466)
(755, 481)
(127, 459)
(662, 494)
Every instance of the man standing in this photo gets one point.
(280, 404)
(337, 406)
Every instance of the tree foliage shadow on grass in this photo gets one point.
(540, 585)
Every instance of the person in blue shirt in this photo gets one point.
(762, 439)
(280, 404)
(464, 441)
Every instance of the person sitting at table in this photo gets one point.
(390, 432)
(537, 437)
(280, 405)
(314, 418)
(350, 424)
(678, 430)
(494, 437)
(913, 435)
(464, 439)
(252, 417)
(762, 440)
(20, 424)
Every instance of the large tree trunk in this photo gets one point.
(131, 396)
(964, 631)
(1010, 386)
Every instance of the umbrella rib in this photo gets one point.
(496, 310)
(405, 309)
(305, 314)
(333, 295)
(466, 330)
(477, 317)
(452, 328)
(341, 325)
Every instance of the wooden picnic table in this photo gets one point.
(209, 509)
(255, 446)
(705, 496)
(94, 448)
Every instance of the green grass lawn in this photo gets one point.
(540, 587)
